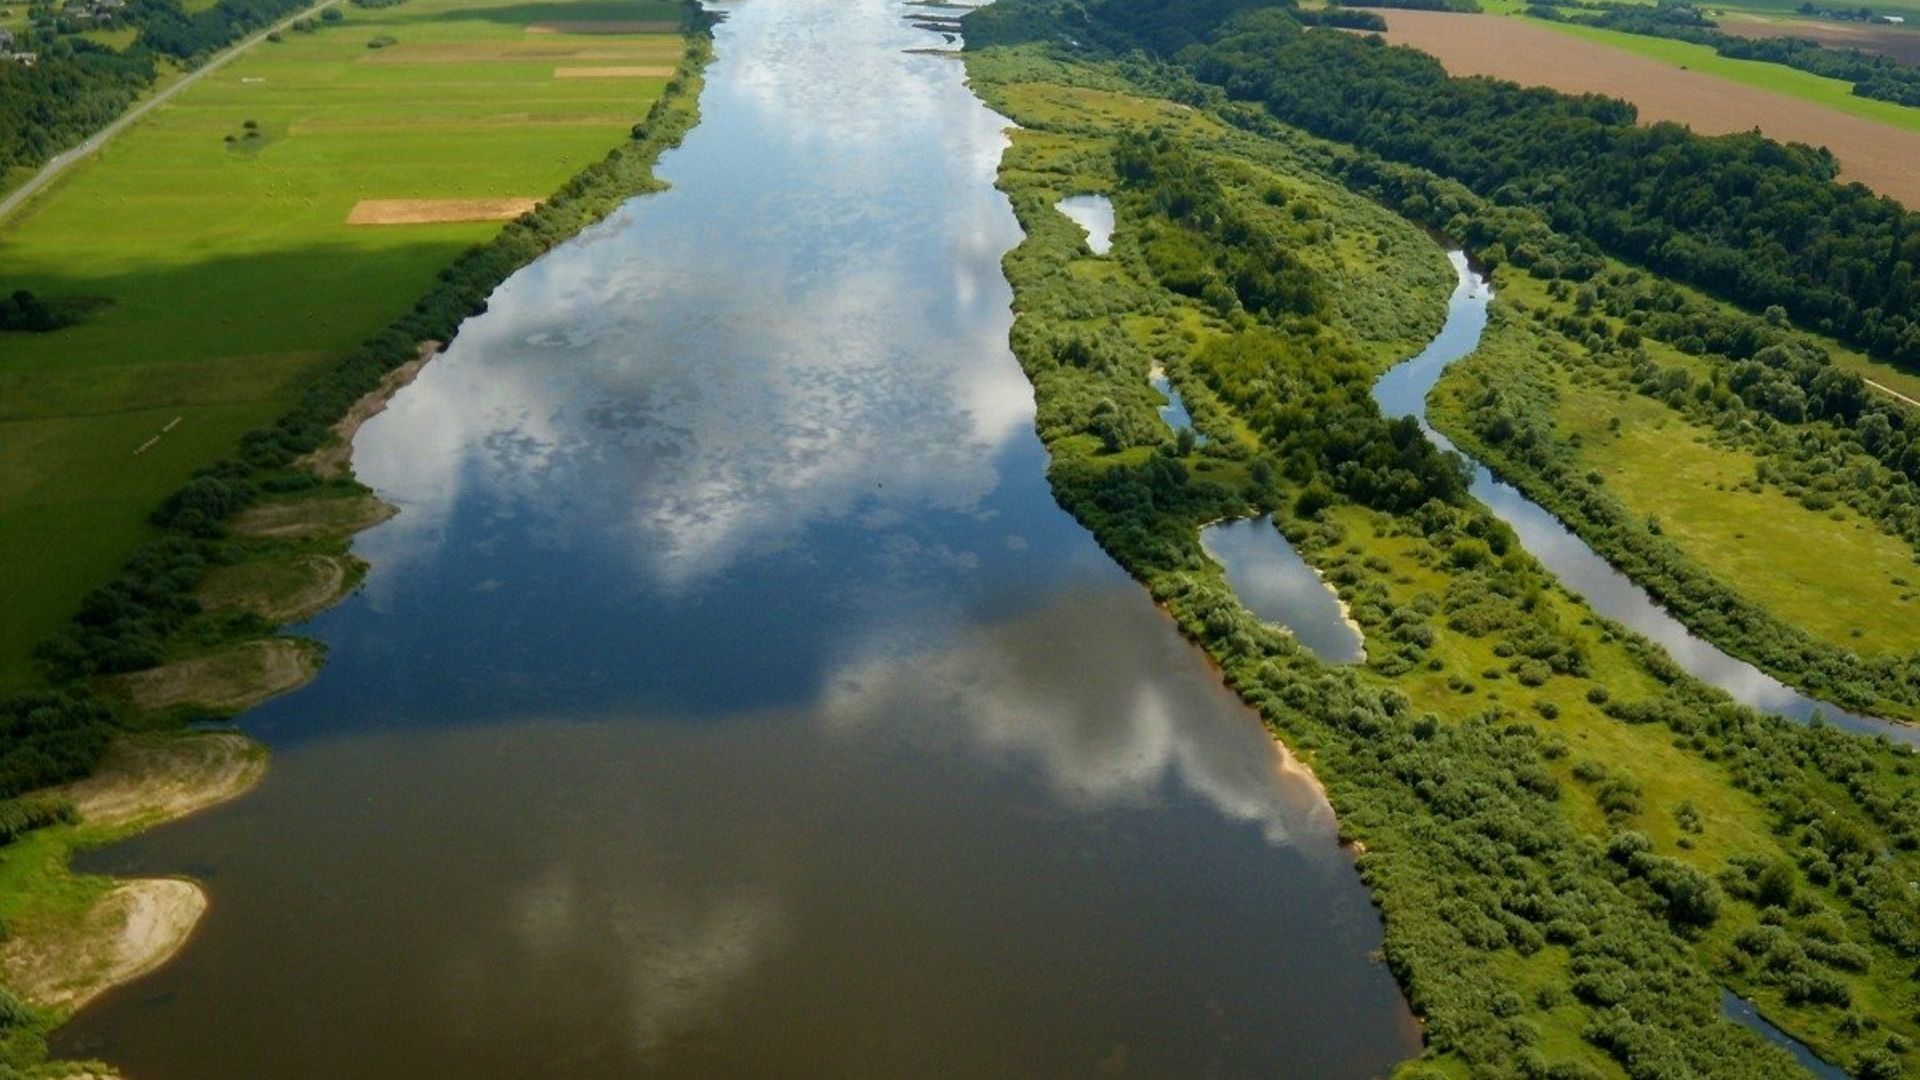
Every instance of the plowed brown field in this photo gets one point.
(1898, 42)
(1883, 158)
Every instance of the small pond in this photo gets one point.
(1175, 412)
(1094, 213)
(1276, 584)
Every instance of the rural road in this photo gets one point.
(59, 162)
(1891, 392)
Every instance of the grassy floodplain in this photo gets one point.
(1532, 785)
(1705, 499)
(230, 270)
(233, 569)
(1833, 572)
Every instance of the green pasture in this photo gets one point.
(1833, 573)
(228, 270)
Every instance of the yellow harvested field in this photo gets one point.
(605, 26)
(1877, 155)
(612, 72)
(432, 211)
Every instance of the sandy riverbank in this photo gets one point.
(64, 959)
(335, 458)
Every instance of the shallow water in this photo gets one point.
(1403, 391)
(731, 697)
(1094, 215)
(1276, 584)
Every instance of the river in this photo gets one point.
(731, 697)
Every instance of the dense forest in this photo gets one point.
(78, 87)
(1872, 75)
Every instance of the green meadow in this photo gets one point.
(1833, 573)
(213, 236)
(1710, 513)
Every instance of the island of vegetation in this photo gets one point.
(1574, 845)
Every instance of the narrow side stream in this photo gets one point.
(1403, 391)
(1741, 1011)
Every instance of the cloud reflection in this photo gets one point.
(748, 357)
(1111, 716)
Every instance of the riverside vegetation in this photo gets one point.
(1573, 844)
(1720, 460)
(255, 528)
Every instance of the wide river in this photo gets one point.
(730, 696)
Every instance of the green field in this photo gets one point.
(1832, 573)
(1908, 8)
(226, 267)
(1778, 78)
(1724, 524)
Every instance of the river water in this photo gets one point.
(1403, 391)
(730, 696)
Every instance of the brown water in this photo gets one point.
(731, 698)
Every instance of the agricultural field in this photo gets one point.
(1899, 42)
(1875, 141)
(216, 249)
